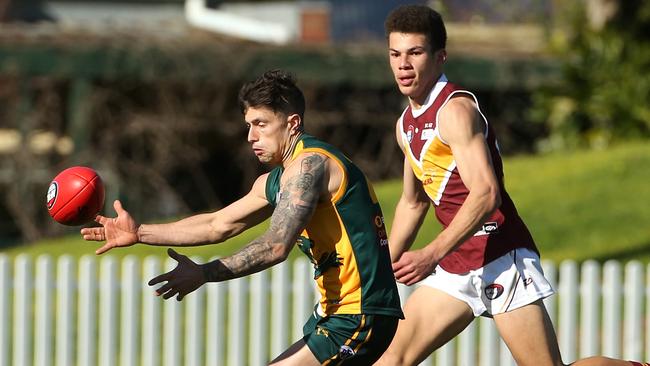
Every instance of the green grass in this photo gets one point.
(578, 205)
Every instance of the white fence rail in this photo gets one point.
(99, 311)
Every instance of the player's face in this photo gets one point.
(415, 68)
(269, 134)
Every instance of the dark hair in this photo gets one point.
(275, 89)
(418, 19)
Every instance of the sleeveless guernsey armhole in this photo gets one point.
(273, 185)
(478, 108)
(344, 180)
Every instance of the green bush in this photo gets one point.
(604, 91)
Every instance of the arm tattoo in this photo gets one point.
(298, 199)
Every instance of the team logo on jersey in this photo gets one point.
(493, 291)
(409, 133)
(52, 193)
(346, 352)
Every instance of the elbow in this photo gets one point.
(280, 252)
(494, 199)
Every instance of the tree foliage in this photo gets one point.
(605, 89)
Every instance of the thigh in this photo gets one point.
(529, 334)
(298, 354)
(432, 318)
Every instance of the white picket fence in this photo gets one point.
(99, 311)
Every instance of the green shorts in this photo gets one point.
(349, 339)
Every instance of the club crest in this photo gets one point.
(493, 291)
(409, 133)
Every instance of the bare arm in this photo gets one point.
(410, 211)
(200, 229)
(463, 129)
(303, 183)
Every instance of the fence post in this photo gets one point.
(87, 323)
(280, 320)
(259, 329)
(568, 310)
(215, 320)
(64, 311)
(130, 311)
(23, 286)
(44, 319)
(550, 272)
(151, 320)
(194, 325)
(467, 345)
(446, 355)
(172, 331)
(633, 315)
(489, 342)
(302, 305)
(589, 309)
(108, 297)
(237, 291)
(611, 309)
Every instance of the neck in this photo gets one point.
(418, 102)
(288, 153)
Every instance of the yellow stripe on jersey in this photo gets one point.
(434, 167)
(344, 282)
(326, 226)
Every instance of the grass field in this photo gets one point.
(580, 205)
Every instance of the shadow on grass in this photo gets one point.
(640, 251)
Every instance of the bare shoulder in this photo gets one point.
(460, 120)
(458, 107)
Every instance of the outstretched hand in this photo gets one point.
(120, 231)
(185, 278)
(414, 266)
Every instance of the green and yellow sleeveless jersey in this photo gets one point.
(346, 241)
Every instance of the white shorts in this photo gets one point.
(507, 283)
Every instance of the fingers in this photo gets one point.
(105, 248)
(101, 219)
(117, 205)
(176, 256)
(159, 279)
(172, 253)
(93, 233)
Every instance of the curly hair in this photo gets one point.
(418, 19)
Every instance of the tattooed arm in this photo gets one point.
(301, 187)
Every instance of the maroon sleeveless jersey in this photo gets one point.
(434, 165)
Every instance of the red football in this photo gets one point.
(75, 196)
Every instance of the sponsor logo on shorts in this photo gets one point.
(488, 228)
(346, 352)
(493, 291)
(528, 281)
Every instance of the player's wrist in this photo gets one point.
(139, 234)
